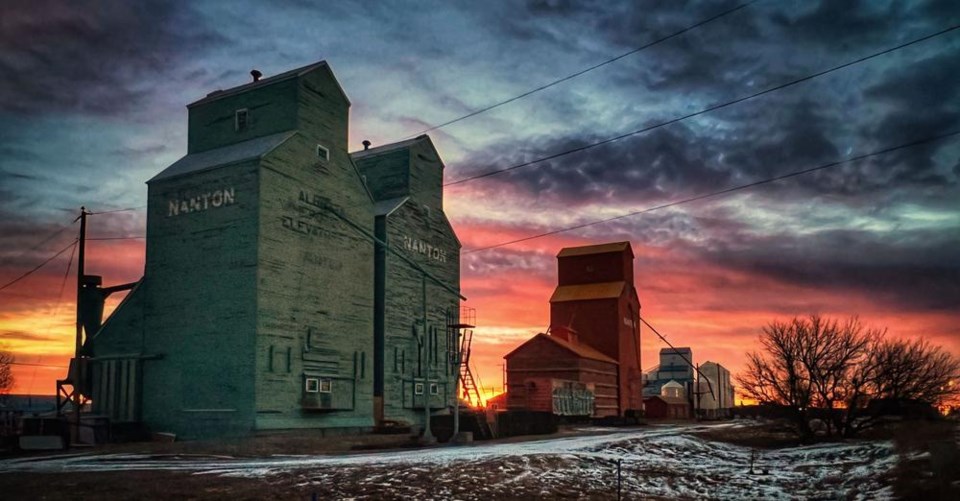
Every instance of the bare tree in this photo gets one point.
(780, 377)
(839, 368)
(832, 353)
(6, 372)
(915, 370)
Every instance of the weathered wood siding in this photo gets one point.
(200, 304)
(409, 230)
(270, 109)
(315, 284)
(542, 359)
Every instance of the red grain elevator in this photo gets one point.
(596, 298)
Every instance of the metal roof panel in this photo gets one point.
(585, 292)
(594, 249)
(238, 152)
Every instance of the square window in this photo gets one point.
(240, 121)
(326, 386)
(312, 385)
(323, 153)
(418, 389)
(434, 389)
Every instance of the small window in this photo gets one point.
(418, 389)
(326, 386)
(312, 385)
(240, 121)
(434, 389)
(323, 153)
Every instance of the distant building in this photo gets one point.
(592, 351)
(666, 407)
(715, 393)
(675, 365)
(673, 389)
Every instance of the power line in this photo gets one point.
(41, 265)
(586, 70)
(681, 355)
(722, 192)
(117, 210)
(56, 309)
(705, 110)
(39, 244)
(117, 238)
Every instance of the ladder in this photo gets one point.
(470, 390)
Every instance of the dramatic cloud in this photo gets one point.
(98, 58)
(93, 99)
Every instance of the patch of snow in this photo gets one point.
(657, 461)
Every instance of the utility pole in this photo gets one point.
(720, 391)
(697, 392)
(78, 367)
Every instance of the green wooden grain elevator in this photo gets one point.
(267, 302)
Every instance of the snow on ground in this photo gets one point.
(657, 461)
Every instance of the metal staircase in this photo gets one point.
(460, 324)
(470, 391)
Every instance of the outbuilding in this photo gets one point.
(666, 407)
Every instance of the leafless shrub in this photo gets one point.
(832, 370)
(6, 372)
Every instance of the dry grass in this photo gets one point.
(771, 435)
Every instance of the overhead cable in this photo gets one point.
(712, 194)
(585, 70)
(703, 111)
(41, 265)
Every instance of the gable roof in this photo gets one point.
(595, 249)
(251, 149)
(389, 148)
(263, 82)
(586, 292)
(581, 350)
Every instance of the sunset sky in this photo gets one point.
(93, 95)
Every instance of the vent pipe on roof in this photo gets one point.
(366, 144)
(256, 75)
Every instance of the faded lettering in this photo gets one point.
(421, 247)
(200, 202)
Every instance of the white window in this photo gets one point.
(240, 121)
(434, 389)
(326, 386)
(418, 389)
(312, 385)
(323, 152)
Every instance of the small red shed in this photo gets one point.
(547, 372)
(664, 407)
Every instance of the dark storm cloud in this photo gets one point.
(917, 270)
(674, 161)
(698, 60)
(646, 167)
(844, 24)
(924, 100)
(26, 243)
(91, 57)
